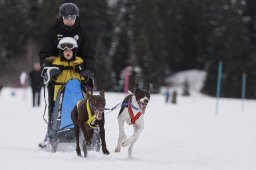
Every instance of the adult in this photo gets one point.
(68, 25)
(36, 83)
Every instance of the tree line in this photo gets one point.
(155, 38)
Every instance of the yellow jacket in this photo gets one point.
(66, 74)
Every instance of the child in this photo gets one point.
(36, 83)
(66, 62)
(63, 68)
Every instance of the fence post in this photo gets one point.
(218, 88)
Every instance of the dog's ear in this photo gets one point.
(88, 95)
(102, 93)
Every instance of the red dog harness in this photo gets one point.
(133, 117)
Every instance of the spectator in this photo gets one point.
(36, 83)
(174, 97)
(167, 94)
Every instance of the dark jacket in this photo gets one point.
(58, 31)
(35, 79)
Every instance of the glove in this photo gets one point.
(88, 74)
(79, 68)
(49, 73)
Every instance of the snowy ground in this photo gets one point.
(186, 136)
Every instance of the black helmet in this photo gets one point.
(68, 9)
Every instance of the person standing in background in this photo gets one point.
(36, 83)
(167, 93)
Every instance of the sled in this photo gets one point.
(61, 128)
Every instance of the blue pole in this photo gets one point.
(243, 89)
(218, 87)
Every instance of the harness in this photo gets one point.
(133, 117)
(91, 118)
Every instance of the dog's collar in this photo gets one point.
(125, 104)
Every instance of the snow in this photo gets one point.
(186, 136)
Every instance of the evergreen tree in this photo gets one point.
(228, 43)
(250, 15)
(12, 37)
(186, 31)
(150, 47)
(122, 45)
(250, 21)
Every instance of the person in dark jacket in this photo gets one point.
(36, 82)
(68, 25)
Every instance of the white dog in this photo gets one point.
(132, 112)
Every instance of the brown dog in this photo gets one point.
(87, 114)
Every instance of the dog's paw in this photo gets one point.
(125, 143)
(78, 152)
(118, 149)
(105, 151)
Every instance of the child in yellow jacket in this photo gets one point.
(67, 63)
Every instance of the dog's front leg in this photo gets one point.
(78, 150)
(84, 131)
(87, 140)
(122, 135)
(85, 148)
(131, 148)
(138, 128)
(102, 136)
(74, 117)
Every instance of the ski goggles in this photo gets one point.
(66, 46)
(72, 17)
